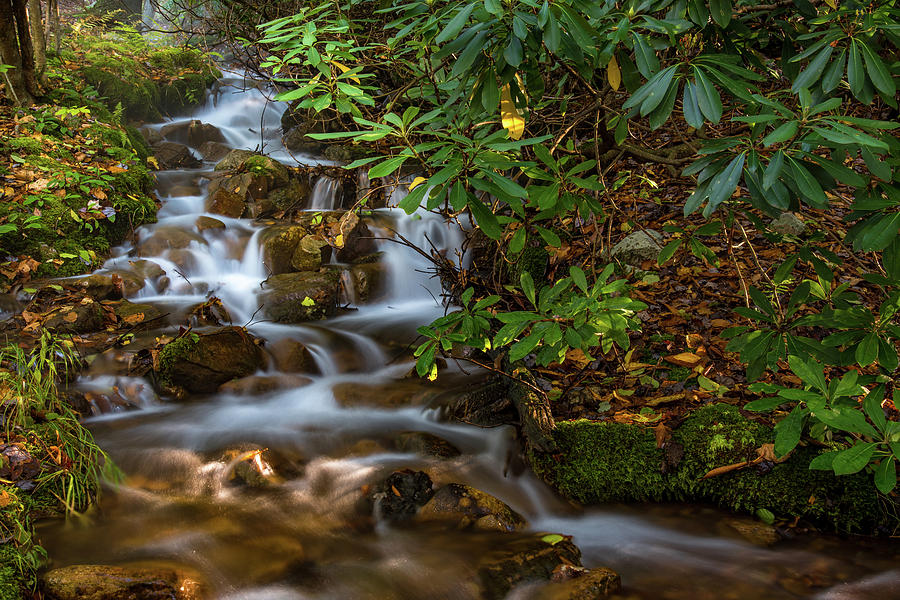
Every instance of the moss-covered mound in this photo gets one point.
(612, 462)
(148, 81)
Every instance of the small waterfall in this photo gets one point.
(324, 194)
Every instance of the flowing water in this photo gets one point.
(306, 536)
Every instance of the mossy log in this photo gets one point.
(600, 462)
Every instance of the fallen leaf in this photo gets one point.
(70, 317)
(685, 359)
(135, 318)
(662, 435)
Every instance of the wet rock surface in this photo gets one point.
(201, 363)
(255, 385)
(172, 155)
(291, 356)
(299, 297)
(581, 584)
(522, 559)
(107, 582)
(463, 507)
(401, 495)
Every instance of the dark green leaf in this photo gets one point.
(853, 460)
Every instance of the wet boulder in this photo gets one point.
(369, 281)
(396, 394)
(213, 151)
(200, 363)
(203, 223)
(167, 238)
(255, 385)
(256, 164)
(105, 286)
(299, 297)
(310, 253)
(194, 133)
(85, 316)
(291, 196)
(290, 356)
(145, 269)
(132, 314)
(233, 160)
(463, 507)
(107, 582)
(226, 203)
(399, 496)
(356, 240)
(151, 136)
(279, 244)
(296, 140)
(574, 583)
(172, 155)
(523, 559)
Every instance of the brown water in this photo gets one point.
(306, 534)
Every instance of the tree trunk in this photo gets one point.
(38, 40)
(26, 48)
(52, 24)
(16, 88)
(535, 416)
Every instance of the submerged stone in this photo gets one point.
(463, 506)
(522, 559)
(107, 582)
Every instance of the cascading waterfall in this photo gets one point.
(333, 434)
(324, 194)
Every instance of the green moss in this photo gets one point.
(534, 261)
(607, 462)
(24, 144)
(175, 352)
(138, 143)
(13, 584)
(604, 462)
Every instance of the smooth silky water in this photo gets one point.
(305, 538)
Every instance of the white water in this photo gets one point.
(178, 504)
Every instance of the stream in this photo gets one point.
(303, 537)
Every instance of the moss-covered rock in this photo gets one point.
(299, 297)
(201, 363)
(613, 462)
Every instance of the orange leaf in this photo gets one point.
(685, 359)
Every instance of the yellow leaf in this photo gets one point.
(308, 302)
(415, 182)
(339, 240)
(613, 74)
(344, 69)
(512, 120)
(831, 3)
(151, 161)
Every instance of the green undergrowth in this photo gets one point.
(78, 167)
(52, 466)
(602, 462)
(82, 188)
